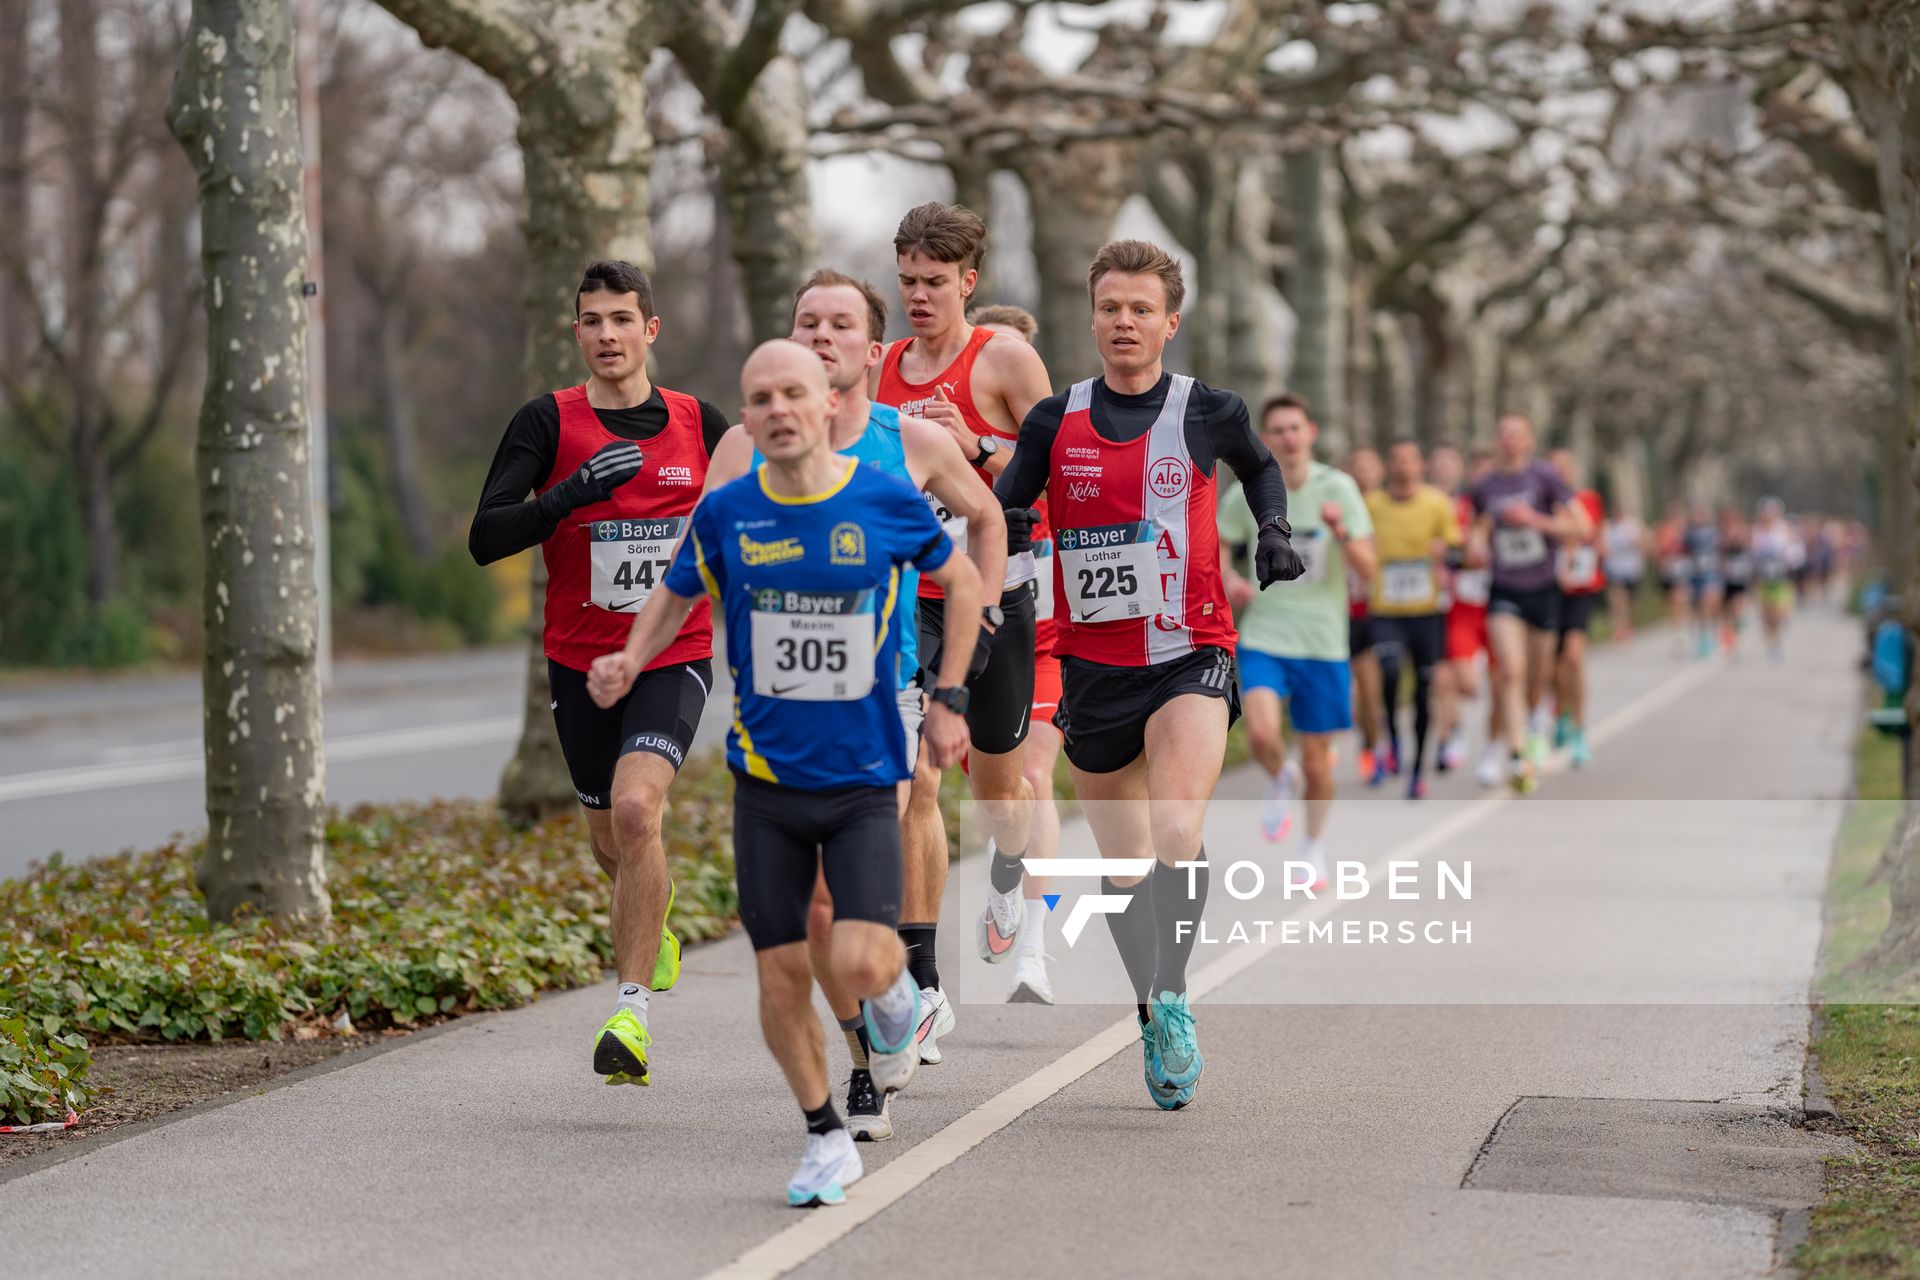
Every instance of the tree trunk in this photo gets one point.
(1317, 286)
(17, 334)
(1394, 392)
(769, 207)
(1076, 192)
(397, 419)
(1207, 315)
(1253, 344)
(265, 769)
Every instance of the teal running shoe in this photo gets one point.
(1164, 1095)
(1180, 1060)
(1582, 753)
(1562, 730)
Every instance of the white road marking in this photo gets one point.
(356, 746)
(822, 1228)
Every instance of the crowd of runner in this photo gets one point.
(925, 557)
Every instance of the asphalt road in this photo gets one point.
(1594, 1085)
(93, 766)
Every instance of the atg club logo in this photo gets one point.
(1093, 904)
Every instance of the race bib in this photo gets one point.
(629, 558)
(1406, 582)
(813, 646)
(1674, 568)
(1515, 548)
(1110, 573)
(1043, 581)
(1472, 586)
(1738, 569)
(956, 526)
(1311, 545)
(1773, 568)
(1580, 566)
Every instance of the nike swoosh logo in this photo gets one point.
(1089, 615)
(779, 692)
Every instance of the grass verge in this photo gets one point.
(1867, 1227)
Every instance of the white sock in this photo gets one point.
(633, 996)
(1034, 937)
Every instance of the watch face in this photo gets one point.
(988, 445)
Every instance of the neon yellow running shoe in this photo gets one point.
(666, 965)
(620, 1054)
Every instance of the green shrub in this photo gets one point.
(438, 909)
(43, 1067)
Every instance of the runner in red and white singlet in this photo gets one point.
(979, 387)
(616, 466)
(1128, 462)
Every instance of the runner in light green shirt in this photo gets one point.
(1293, 636)
(1305, 618)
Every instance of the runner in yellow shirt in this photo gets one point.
(1414, 533)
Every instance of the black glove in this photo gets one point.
(1020, 522)
(595, 481)
(1275, 560)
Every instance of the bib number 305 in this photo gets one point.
(629, 558)
(813, 647)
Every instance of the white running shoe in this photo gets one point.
(1453, 752)
(1030, 982)
(1001, 923)
(1491, 769)
(936, 1020)
(1276, 809)
(831, 1165)
(1315, 856)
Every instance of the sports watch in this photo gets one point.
(953, 697)
(993, 615)
(988, 447)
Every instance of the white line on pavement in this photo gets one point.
(357, 746)
(822, 1228)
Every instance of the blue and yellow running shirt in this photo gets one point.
(811, 592)
(881, 445)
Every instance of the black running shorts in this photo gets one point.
(658, 715)
(1538, 608)
(783, 836)
(1420, 638)
(1576, 611)
(1103, 711)
(1000, 692)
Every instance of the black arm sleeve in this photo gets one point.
(508, 521)
(1226, 434)
(713, 425)
(1025, 478)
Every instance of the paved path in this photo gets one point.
(1642, 933)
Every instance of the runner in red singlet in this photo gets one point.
(979, 387)
(616, 466)
(1129, 464)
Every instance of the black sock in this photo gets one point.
(920, 958)
(1133, 933)
(1422, 717)
(1390, 695)
(1003, 873)
(1171, 909)
(823, 1118)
